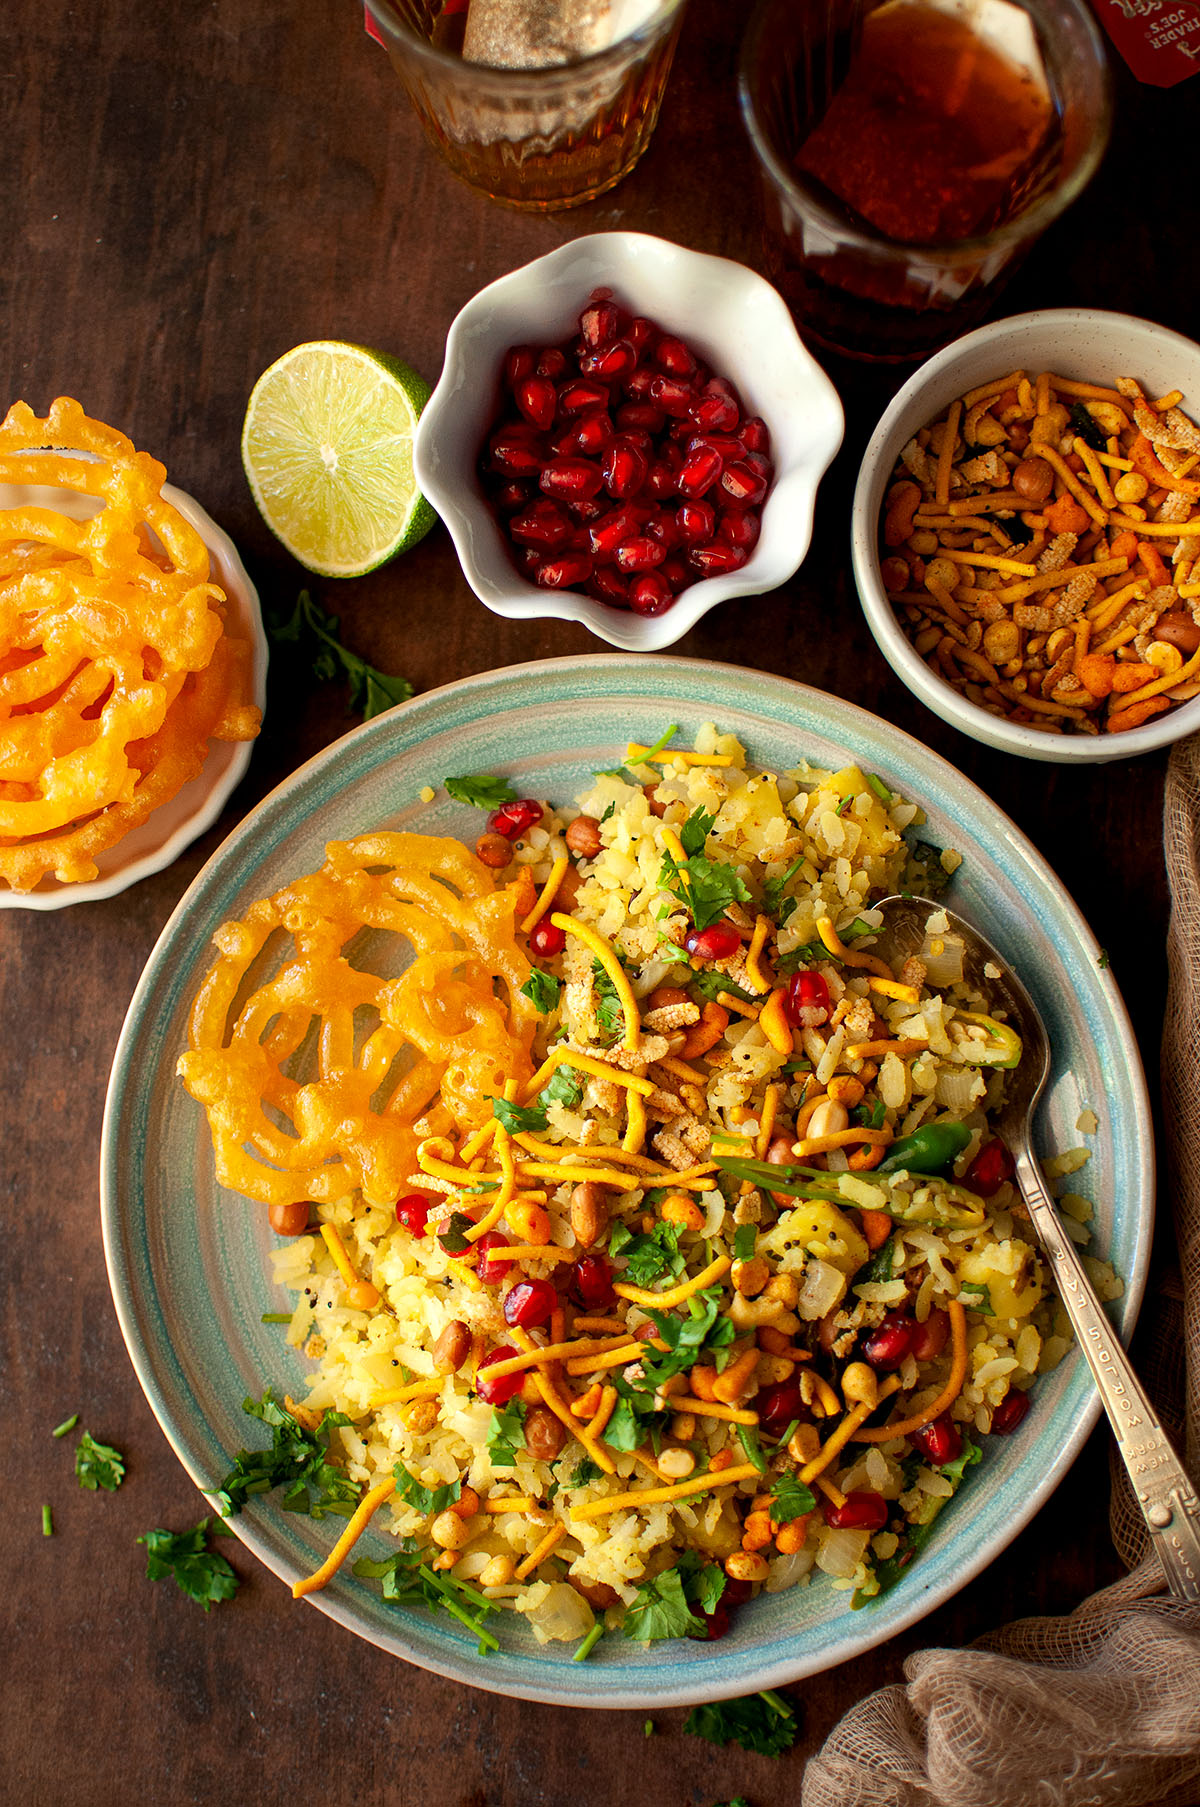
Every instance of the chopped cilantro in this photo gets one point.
(845, 803)
(870, 1116)
(634, 1418)
(744, 1239)
(408, 1581)
(880, 1267)
(791, 1499)
(1086, 426)
(422, 1498)
(879, 787)
(585, 1472)
(761, 1722)
(669, 952)
(653, 752)
(589, 1643)
(647, 1728)
(506, 1433)
(371, 691)
(298, 1461)
(703, 1581)
(1103, 961)
(68, 1424)
(610, 1012)
(924, 875)
(542, 989)
(710, 983)
(701, 1335)
(748, 1438)
(775, 902)
(619, 771)
(660, 1610)
(47, 1522)
(98, 1464)
(892, 1568)
(564, 1087)
(453, 1235)
(705, 887)
(977, 1298)
(518, 1118)
(276, 1317)
(969, 1457)
(651, 1256)
(200, 1572)
(481, 792)
(610, 811)
(696, 830)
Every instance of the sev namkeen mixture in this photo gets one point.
(1041, 549)
(648, 1239)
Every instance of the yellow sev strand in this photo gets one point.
(841, 1138)
(739, 1006)
(548, 893)
(337, 1249)
(941, 488)
(892, 988)
(561, 1410)
(511, 1502)
(653, 1496)
(944, 1400)
(531, 1251)
(1165, 683)
(612, 966)
(707, 1408)
(989, 561)
(508, 1187)
(675, 1295)
(416, 1389)
(604, 1411)
(596, 1364)
(600, 1069)
(536, 1557)
(1067, 476)
(845, 1430)
(770, 1110)
(533, 1356)
(635, 1128)
(1096, 472)
(762, 928)
(367, 1508)
(595, 1151)
(831, 940)
(833, 1494)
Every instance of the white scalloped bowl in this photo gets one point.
(1086, 345)
(175, 824)
(727, 313)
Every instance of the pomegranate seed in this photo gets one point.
(591, 1283)
(696, 521)
(664, 528)
(716, 560)
(663, 476)
(700, 472)
(574, 398)
(624, 468)
(887, 1346)
(929, 1338)
(606, 585)
(515, 452)
(512, 819)
(673, 571)
(585, 512)
(530, 1303)
(807, 992)
(725, 443)
(739, 529)
(672, 356)
(643, 415)
(599, 324)
(639, 383)
(861, 1512)
(510, 496)
(547, 940)
(552, 362)
(743, 485)
(590, 434)
(564, 573)
(641, 333)
(672, 396)
(611, 364)
(491, 1269)
(713, 414)
(778, 1405)
(612, 530)
(518, 364)
(1009, 1413)
(528, 559)
(574, 479)
(939, 1442)
(541, 524)
(650, 594)
(992, 1166)
(536, 398)
(720, 941)
(640, 553)
(413, 1212)
(754, 435)
(502, 1389)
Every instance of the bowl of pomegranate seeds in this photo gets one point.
(626, 433)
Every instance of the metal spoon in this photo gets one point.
(1165, 1493)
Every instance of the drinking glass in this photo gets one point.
(536, 139)
(852, 288)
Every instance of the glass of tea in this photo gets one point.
(540, 103)
(911, 153)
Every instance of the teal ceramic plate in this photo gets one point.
(188, 1262)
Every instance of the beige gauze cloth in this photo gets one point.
(1102, 1708)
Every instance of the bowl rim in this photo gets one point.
(906, 662)
(213, 788)
(463, 512)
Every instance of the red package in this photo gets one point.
(1159, 39)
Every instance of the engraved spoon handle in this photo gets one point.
(1164, 1492)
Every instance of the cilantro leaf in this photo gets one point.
(371, 691)
(98, 1464)
(542, 989)
(710, 983)
(670, 952)
(453, 1234)
(705, 887)
(564, 1087)
(585, 1472)
(696, 830)
(629, 1425)
(703, 1582)
(506, 1433)
(775, 902)
(880, 1267)
(424, 1499)
(610, 1012)
(761, 1722)
(977, 1297)
(744, 1239)
(480, 791)
(518, 1118)
(651, 1256)
(408, 1581)
(200, 1572)
(870, 1116)
(923, 872)
(298, 1461)
(701, 1334)
(660, 1610)
(970, 1455)
(791, 1499)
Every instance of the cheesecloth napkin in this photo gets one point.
(1101, 1708)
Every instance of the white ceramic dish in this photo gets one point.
(189, 1262)
(165, 833)
(1081, 343)
(724, 311)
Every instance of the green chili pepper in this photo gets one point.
(1004, 1044)
(931, 1149)
(909, 1197)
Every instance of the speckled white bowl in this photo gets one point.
(731, 316)
(1081, 343)
(175, 824)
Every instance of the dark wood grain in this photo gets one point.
(191, 190)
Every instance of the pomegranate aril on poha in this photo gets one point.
(626, 414)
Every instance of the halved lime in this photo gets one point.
(328, 448)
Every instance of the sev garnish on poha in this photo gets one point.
(670, 1265)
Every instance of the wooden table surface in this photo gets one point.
(193, 189)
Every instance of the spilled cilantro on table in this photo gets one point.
(764, 1723)
(371, 691)
(98, 1464)
(201, 1573)
(298, 1461)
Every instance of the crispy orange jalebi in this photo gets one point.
(115, 668)
(385, 1041)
